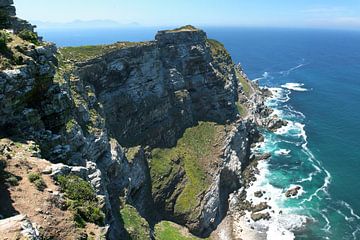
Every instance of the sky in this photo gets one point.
(259, 13)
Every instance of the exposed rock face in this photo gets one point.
(86, 115)
(8, 19)
(228, 178)
(170, 83)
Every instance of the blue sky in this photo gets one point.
(272, 13)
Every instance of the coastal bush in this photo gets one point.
(30, 36)
(12, 180)
(3, 41)
(81, 200)
(8, 178)
(137, 227)
(217, 48)
(33, 177)
(37, 180)
(167, 230)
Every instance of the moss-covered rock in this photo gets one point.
(82, 200)
(136, 226)
(194, 156)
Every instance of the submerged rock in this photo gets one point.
(293, 192)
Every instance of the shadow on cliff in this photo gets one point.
(6, 203)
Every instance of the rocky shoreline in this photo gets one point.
(242, 211)
(158, 134)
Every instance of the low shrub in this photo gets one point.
(37, 180)
(82, 200)
(3, 41)
(30, 36)
(12, 181)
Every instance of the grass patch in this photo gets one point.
(184, 28)
(241, 109)
(131, 152)
(137, 227)
(81, 200)
(244, 83)
(195, 149)
(85, 53)
(167, 230)
(37, 180)
(217, 48)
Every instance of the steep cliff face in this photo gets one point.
(155, 125)
(9, 20)
(153, 91)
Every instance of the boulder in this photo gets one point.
(258, 194)
(293, 192)
(259, 216)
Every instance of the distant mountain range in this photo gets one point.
(81, 24)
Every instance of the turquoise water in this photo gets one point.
(324, 144)
(320, 149)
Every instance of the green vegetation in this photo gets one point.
(85, 53)
(29, 36)
(131, 152)
(184, 28)
(6, 177)
(81, 200)
(3, 41)
(244, 83)
(70, 125)
(217, 48)
(167, 230)
(12, 180)
(137, 227)
(241, 109)
(37, 180)
(195, 150)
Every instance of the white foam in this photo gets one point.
(294, 129)
(294, 87)
(277, 232)
(283, 152)
(354, 233)
(278, 95)
(350, 209)
(285, 73)
(264, 76)
(283, 222)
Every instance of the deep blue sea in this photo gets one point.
(315, 78)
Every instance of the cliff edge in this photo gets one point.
(122, 141)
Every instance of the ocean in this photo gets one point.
(315, 79)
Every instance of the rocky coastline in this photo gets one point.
(129, 140)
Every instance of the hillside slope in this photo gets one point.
(127, 136)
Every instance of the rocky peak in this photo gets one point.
(183, 35)
(8, 19)
(170, 83)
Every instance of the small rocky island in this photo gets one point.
(144, 140)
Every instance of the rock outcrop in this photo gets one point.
(153, 91)
(99, 113)
(8, 19)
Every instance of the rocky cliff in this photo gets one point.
(134, 134)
